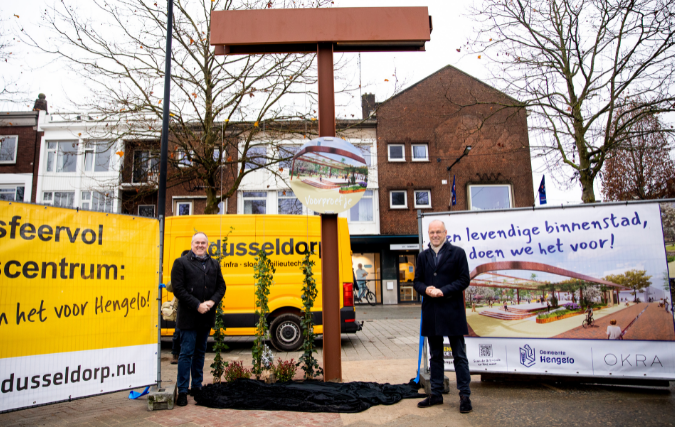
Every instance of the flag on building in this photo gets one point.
(542, 191)
(454, 192)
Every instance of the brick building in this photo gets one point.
(19, 155)
(421, 133)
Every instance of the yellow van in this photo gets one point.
(286, 239)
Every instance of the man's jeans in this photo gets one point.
(175, 342)
(459, 359)
(362, 289)
(191, 359)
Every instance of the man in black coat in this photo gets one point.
(199, 286)
(441, 276)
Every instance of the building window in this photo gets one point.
(422, 198)
(184, 160)
(486, 197)
(398, 199)
(97, 157)
(95, 201)
(222, 208)
(12, 193)
(288, 203)
(256, 157)
(255, 202)
(8, 148)
(287, 151)
(363, 211)
(63, 199)
(146, 210)
(146, 166)
(61, 156)
(396, 152)
(366, 153)
(420, 153)
(183, 208)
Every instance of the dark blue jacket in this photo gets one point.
(192, 285)
(446, 315)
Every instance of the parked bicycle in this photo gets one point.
(369, 297)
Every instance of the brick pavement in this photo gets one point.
(599, 331)
(654, 324)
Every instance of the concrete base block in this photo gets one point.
(162, 398)
(425, 380)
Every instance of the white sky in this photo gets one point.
(37, 73)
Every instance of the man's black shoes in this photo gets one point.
(465, 404)
(430, 401)
(182, 399)
(194, 391)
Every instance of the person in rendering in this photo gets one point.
(199, 286)
(506, 307)
(613, 331)
(361, 274)
(442, 274)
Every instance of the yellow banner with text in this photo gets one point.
(75, 280)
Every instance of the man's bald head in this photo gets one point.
(437, 232)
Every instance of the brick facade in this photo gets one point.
(450, 110)
(24, 125)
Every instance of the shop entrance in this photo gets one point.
(366, 268)
(407, 263)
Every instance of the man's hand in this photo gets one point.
(433, 292)
(203, 307)
(210, 304)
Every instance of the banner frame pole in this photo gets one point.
(159, 303)
(420, 215)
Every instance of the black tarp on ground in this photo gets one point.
(305, 396)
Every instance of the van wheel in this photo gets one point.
(286, 332)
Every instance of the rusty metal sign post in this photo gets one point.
(324, 31)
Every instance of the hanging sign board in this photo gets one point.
(329, 175)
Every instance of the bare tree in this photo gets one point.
(9, 92)
(577, 66)
(220, 106)
(640, 167)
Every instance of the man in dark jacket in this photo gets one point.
(441, 276)
(199, 286)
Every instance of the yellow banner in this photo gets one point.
(73, 281)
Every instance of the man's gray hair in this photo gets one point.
(198, 233)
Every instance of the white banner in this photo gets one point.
(643, 359)
(35, 380)
(532, 269)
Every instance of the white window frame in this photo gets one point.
(154, 210)
(56, 156)
(372, 202)
(389, 152)
(53, 196)
(295, 196)
(415, 199)
(265, 198)
(251, 160)
(184, 202)
(412, 152)
(287, 168)
(14, 187)
(3, 140)
(93, 148)
(468, 192)
(182, 159)
(88, 197)
(405, 198)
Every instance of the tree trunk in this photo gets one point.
(587, 194)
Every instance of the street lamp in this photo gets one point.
(465, 153)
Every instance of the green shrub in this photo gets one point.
(284, 371)
(558, 313)
(235, 370)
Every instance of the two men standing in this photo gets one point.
(199, 286)
(441, 276)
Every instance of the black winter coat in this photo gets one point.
(446, 315)
(192, 285)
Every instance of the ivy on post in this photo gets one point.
(309, 293)
(263, 275)
(218, 366)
